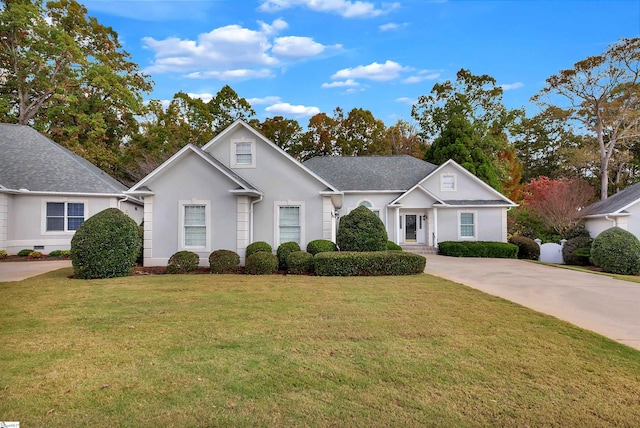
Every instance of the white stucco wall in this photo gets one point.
(26, 220)
(467, 187)
(597, 225)
(490, 224)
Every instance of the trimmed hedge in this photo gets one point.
(183, 262)
(60, 253)
(257, 247)
(261, 263)
(283, 251)
(224, 261)
(300, 263)
(361, 230)
(25, 252)
(320, 246)
(571, 247)
(616, 251)
(392, 246)
(371, 263)
(527, 247)
(105, 245)
(489, 249)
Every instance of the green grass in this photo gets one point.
(209, 350)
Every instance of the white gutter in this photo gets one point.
(614, 221)
(251, 216)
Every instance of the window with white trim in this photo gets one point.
(448, 182)
(194, 225)
(289, 224)
(64, 216)
(467, 221)
(243, 154)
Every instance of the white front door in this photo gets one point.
(412, 228)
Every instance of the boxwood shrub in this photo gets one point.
(616, 251)
(3, 254)
(371, 263)
(528, 249)
(25, 252)
(571, 247)
(392, 246)
(105, 245)
(320, 246)
(183, 262)
(490, 249)
(261, 263)
(257, 247)
(224, 261)
(361, 230)
(300, 263)
(283, 251)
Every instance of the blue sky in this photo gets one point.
(296, 58)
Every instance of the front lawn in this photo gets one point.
(208, 350)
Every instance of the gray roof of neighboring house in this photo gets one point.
(350, 173)
(614, 203)
(29, 160)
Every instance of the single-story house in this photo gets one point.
(47, 191)
(241, 188)
(621, 210)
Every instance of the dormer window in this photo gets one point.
(243, 154)
(448, 182)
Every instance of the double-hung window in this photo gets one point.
(64, 216)
(448, 182)
(290, 226)
(194, 224)
(243, 154)
(467, 224)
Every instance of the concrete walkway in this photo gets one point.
(599, 303)
(17, 271)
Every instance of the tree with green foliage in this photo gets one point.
(285, 133)
(67, 75)
(402, 139)
(469, 114)
(600, 95)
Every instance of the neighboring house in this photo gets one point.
(46, 192)
(621, 210)
(241, 188)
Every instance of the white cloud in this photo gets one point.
(392, 26)
(421, 76)
(239, 74)
(344, 8)
(286, 109)
(379, 72)
(204, 97)
(406, 100)
(510, 86)
(298, 47)
(341, 84)
(265, 100)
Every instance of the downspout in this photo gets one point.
(251, 217)
(614, 221)
(126, 198)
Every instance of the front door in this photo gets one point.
(411, 228)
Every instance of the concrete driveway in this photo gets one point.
(17, 271)
(598, 303)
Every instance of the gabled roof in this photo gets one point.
(615, 204)
(31, 161)
(351, 173)
(243, 185)
(240, 123)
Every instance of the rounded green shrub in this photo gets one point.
(105, 245)
(224, 261)
(320, 246)
(527, 247)
(25, 252)
(392, 246)
(361, 230)
(569, 251)
(616, 251)
(183, 262)
(257, 247)
(261, 263)
(283, 251)
(300, 262)
(3, 254)
(582, 256)
(55, 253)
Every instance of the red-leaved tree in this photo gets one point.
(558, 203)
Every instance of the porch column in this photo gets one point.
(147, 252)
(435, 227)
(4, 220)
(243, 228)
(398, 225)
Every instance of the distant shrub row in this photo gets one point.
(490, 249)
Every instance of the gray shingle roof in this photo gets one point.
(29, 160)
(245, 185)
(371, 172)
(477, 202)
(615, 203)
